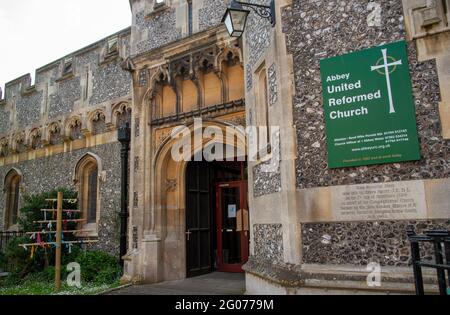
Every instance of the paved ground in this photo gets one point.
(212, 284)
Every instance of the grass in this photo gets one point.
(33, 287)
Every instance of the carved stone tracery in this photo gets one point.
(36, 139)
(54, 134)
(73, 129)
(122, 114)
(192, 66)
(4, 147)
(98, 122)
(19, 144)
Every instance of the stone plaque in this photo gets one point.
(384, 201)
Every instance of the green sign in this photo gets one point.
(369, 108)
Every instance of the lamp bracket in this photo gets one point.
(264, 11)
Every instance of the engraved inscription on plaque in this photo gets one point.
(384, 201)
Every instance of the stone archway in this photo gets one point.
(167, 219)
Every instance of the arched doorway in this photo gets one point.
(168, 216)
(216, 217)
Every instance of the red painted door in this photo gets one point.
(232, 226)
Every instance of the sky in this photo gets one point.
(34, 33)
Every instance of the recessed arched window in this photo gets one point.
(12, 190)
(87, 178)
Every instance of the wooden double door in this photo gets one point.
(217, 218)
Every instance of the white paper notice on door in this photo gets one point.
(232, 211)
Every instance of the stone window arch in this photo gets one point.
(11, 186)
(87, 180)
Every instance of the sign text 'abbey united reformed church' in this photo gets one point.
(369, 108)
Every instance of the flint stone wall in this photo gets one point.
(320, 29)
(361, 243)
(46, 174)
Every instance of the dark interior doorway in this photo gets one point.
(201, 220)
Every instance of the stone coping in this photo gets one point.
(394, 279)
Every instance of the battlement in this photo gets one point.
(82, 82)
(92, 82)
(111, 48)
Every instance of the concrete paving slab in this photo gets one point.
(216, 283)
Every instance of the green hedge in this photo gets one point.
(98, 267)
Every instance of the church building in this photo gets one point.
(334, 117)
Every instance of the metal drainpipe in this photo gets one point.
(124, 137)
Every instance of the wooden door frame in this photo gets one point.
(244, 235)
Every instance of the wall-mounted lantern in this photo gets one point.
(235, 17)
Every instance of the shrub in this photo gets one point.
(11, 280)
(18, 258)
(67, 258)
(107, 276)
(31, 211)
(98, 267)
(48, 274)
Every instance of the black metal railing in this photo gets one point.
(6, 237)
(440, 240)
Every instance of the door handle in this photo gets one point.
(188, 234)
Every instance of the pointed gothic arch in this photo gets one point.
(12, 182)
(166, 219)
(87, 180)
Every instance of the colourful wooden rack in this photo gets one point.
(59, 233)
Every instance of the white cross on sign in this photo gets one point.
(386, 66)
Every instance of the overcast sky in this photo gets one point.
(34, 33)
